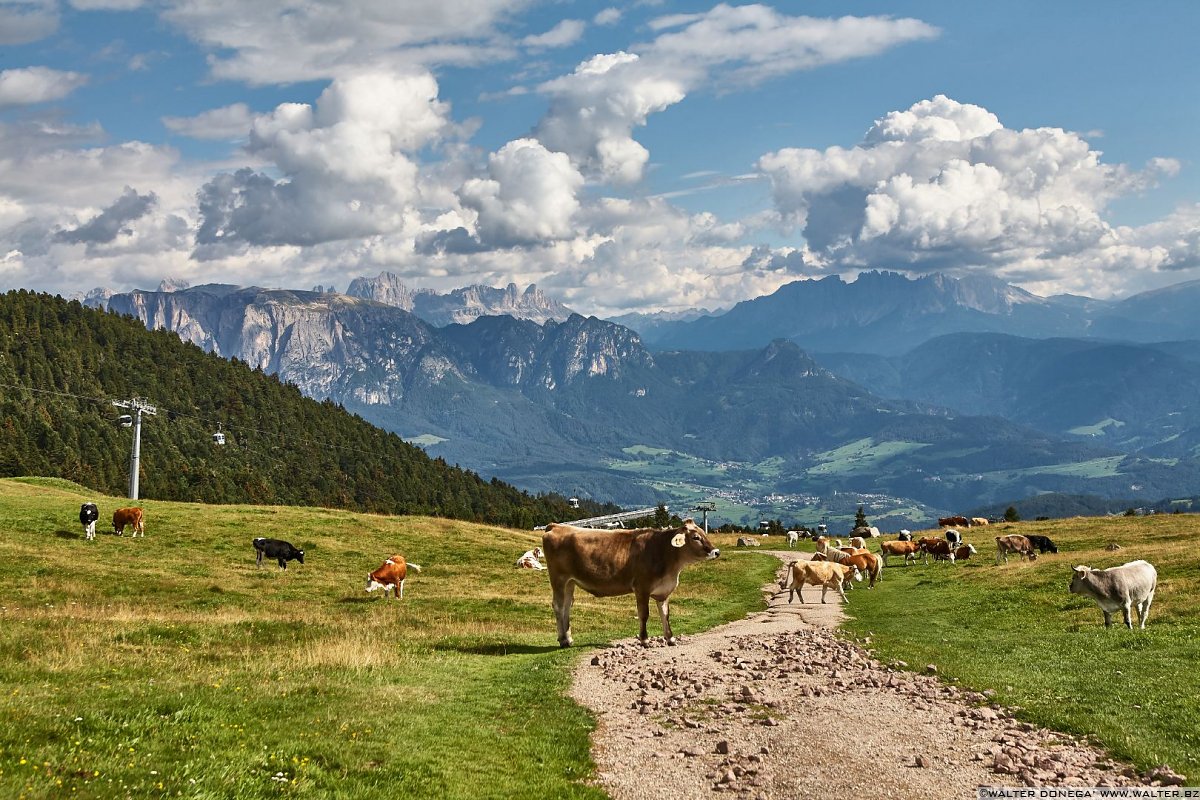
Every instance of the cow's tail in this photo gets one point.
(416, 567)
(878, 576)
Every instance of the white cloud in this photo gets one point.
(609, 16)
(347, 166)
(31, 85)
(944, 185)
(565, 33)
(756, 42)
(261, 44)
(223, 124)
(594, 110)
(528, 198)
(24, 21)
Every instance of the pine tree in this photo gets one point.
(1011, 515)
(860, 519)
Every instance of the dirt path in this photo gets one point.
(777, 706)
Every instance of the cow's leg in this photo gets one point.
(282, 564)
(664, 613)
(1107, 619)
(643, 609)
(1127, 614)
(1144, 610)
(258, 557)
(563, 596)
(843, 594)
(401, 589)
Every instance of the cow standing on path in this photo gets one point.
(88, 514)
(644, 561)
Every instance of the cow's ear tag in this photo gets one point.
(678, 540)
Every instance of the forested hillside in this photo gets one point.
(62, 365)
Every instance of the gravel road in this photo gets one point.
(778, 706)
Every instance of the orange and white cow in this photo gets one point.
(826, 574)
(390, 576)
(131, 517)
(530, 560)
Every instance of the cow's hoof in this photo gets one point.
(567, 643)
(672, 641)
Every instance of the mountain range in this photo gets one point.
(886, 313)
(584, 406)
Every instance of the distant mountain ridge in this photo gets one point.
(458, 306)
(887, 313)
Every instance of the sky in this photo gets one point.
(630, 157)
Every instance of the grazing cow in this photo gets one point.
(390, 576)
(824, 544)
(1014, 543)
(864, 560)
(131, 517)
(952, 536)
(858, 541)
(1042, 543)
(530, 560)
(951, 522)
(908, 549)
(88, 514)
(979, 520)
(942, 550)
(644, 561)
(905, 535)
(277, 549)
(825, 574)
(793, 538)
(1122, 587)
(964, 551)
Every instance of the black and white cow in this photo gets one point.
(278, 549)
(88, 514)
(953, 537)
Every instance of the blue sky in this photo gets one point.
(629, 157)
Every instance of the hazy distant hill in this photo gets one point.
(887, 313)
(1130, 396)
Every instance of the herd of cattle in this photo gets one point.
(647, 562)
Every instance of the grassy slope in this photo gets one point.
(171, 664)
(1016, 629)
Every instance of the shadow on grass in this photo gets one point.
(495, 648)
(359, 599)
(68, 535)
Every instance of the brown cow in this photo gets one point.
(907, 549)
(390, 576)
(129, 516)
(951, 522)
(1014, 543)
(942, 550)
(825, 574)
(644, 561)
(866, 562)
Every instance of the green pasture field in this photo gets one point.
(1016, 629)
(863, 455)
(173, 666)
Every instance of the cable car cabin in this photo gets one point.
(218, 438)
(574, 501)
(125, 420)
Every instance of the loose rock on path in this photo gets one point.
(777, 706)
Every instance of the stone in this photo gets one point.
(723, 747)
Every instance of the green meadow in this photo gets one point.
(173, 666)
(1015, 628)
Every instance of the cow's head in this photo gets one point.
(691, 541)
(1032, 554)
(537, 553)
(1079, 578)
(372, 584)
(300, 556)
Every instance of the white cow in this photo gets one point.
(1122, 587)
(530, 559)
(793, 538)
